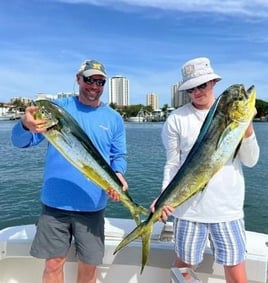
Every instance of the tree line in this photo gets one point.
(133, 110)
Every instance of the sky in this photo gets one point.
(43, 43)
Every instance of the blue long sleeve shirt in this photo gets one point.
(65, 187)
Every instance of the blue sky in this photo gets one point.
(43, 42)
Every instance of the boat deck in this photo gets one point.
(17, 266)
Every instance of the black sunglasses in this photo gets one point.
(202, 86)
(90, 80)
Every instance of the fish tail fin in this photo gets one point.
(143, 210)
(146, 240)
(136, 233)
(136, 211)
(144, 230)
(136, 217)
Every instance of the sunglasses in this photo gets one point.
(90, 80)
(202, 86)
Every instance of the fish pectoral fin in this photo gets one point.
(225, 133)
(66, 137)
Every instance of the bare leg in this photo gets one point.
(53, 272)
(236, 273)
(86, 273)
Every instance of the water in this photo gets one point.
(22, 169)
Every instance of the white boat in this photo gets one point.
(17, 266)
(10, 114)
(6, 117)
(136, 119)
(142, 116)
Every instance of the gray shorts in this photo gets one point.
(57, 228)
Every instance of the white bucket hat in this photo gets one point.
(196, 72)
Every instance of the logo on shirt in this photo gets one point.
(103, 127)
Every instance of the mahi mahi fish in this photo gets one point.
(65, 134)
(218, 141)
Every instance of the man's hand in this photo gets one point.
(250, 129)
(113, 193)
(29, 122)
(166, 211)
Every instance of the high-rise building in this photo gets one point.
(152, 100)
(178, 98)
(119, 90)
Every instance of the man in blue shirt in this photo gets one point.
(73, 206)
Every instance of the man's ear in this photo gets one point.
(78, 78)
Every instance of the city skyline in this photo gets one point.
(119, 94)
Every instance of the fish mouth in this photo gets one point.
(44, 114)
(244, 103)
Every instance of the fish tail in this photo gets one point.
(144, 230)
(136, 211)
(146, 240)
(143, 210)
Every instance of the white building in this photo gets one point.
(152, 100)
(42, 95)
(119, 90)
(178, 98)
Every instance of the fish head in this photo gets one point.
(46, 112)
(238, 104)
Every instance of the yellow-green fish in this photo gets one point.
(65, 134)
(218, 140)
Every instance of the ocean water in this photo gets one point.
(21, 173)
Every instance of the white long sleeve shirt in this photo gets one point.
(223, 198)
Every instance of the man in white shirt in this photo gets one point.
(216, 213)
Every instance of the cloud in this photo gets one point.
(254, 9)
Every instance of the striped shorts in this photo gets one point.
(227, 240)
